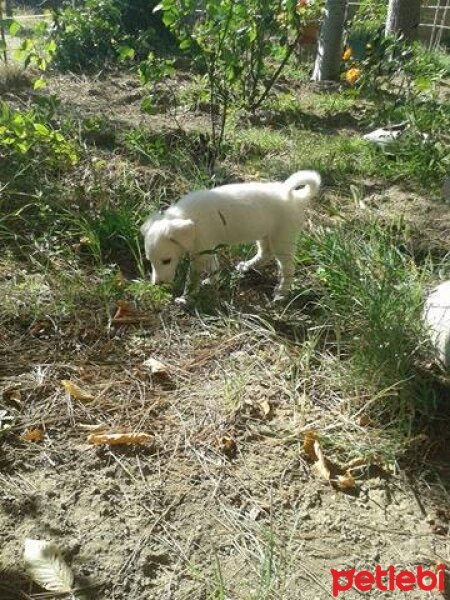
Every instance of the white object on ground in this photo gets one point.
(385, 135)
(46, 566)
(437, 320)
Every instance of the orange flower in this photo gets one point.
(352, 75)
(347, 54)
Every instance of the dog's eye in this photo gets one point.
(166, 261)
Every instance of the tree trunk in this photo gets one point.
(329, 50)
(403, 17)
(3, 34)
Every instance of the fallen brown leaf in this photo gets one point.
(259, 409)
(355, 463)
(322, 467)
(115, 439)
(33, 435)
(345, 482)
(41, 327)
(266, 408)
(308, 444)
(76, 392)
(364, 420)
(228, 446)
(127, 314)
(13, 395)
(95, 428)
(157, 368)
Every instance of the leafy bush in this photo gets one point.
(403, 81)
(26, 140)
(99, 31)
(232, 42)
(421, 153)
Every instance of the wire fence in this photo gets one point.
(434, 27)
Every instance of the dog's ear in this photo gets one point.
(146, 226)
(182, 232)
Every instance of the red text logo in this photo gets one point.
(388, 580)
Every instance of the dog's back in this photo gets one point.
(245, 212)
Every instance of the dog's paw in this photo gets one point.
(280, 296)
(182, 301)
(244, 266)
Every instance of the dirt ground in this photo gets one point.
(163, 521)
(224, 503)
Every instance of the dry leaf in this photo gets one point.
(40, 327)
(228, 446)
(96, 428)
(33, 435)
(76, 392)
(114, 439)
(13, 395)
(438, 522)
(322, 466)
(355, 463)
(45, 566)
(266, 409)
(346, 482)
(308, 444)
(364, 420)
(259, 409)
(126, 314)
(157, 368)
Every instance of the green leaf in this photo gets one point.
(42, 64)
(169, 18)
(147, 105)
(185, 44)
(51, 47)
(41, 129)
(126, 53)
(14, 28)
(26, 45)
(39, 84)
(423, 83)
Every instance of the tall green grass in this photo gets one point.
(371, 299)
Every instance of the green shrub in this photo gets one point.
(233, 43)
(100, 31)
(26, 139)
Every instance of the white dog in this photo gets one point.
(271, 214)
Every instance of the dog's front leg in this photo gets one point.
(200, 264)
(206, 264)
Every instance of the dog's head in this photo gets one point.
(166, 240)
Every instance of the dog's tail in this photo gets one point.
(311, 181)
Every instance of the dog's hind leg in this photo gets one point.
(263, 255)
(285, 255)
